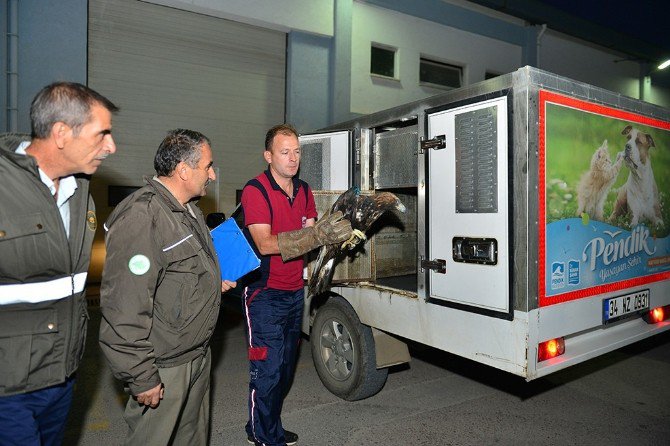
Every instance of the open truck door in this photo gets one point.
(328, 163)
(325, 160)
(468, 246)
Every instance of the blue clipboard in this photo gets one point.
(236, 257)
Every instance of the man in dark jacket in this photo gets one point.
(160, 297)
(47, 223)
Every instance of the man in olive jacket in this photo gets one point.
(47, 223)
(160, 297)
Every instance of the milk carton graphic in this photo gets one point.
(573, 272)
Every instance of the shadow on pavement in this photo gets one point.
(518, 386)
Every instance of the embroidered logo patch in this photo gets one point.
(91, 221)
(139, 264)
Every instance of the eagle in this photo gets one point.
(362, 210)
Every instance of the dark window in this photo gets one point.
(439, 73)
(382, 61)
(490, 75)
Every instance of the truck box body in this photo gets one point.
(537, 210)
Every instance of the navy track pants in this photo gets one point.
(36, 418)
(274, 319)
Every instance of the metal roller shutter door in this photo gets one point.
(168, 68)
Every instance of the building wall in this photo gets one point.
(56, 49)
(3, 66)
(565, 56)
(658, 95)
(52, 47)
(307, 78)
(414, 37)
(311, 16)
(562, 55)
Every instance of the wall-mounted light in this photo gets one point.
(664, 64)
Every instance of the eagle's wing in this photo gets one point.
(362, 211)
(323, 270)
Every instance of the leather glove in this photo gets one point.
(330, 229)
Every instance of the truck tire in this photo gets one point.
(343, 351)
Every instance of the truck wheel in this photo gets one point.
(343, 351)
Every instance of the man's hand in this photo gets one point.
(332, 228)
(227, 285)
(151, 397)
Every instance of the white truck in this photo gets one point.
(536, 235)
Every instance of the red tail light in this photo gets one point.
(658, 314)
(550, 349)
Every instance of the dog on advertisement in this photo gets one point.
(639, 195)
(596, 182)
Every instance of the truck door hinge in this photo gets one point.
(357, 151)
(437, 143)
(437, 265)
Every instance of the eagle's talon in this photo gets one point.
(356, 237)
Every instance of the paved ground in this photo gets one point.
(622, 398)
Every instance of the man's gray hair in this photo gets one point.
(66, 102)
(179, 145)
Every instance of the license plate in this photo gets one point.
(618, 307)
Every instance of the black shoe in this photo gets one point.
(291, 438)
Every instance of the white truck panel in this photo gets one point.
(493, 341)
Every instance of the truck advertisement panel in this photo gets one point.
(604, 215)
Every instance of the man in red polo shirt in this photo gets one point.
(280, 220)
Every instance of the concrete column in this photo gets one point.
(340, 66)
(12, 65)
(644, 81)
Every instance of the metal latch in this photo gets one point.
(437, 265)
(437, 143)
(480, 250)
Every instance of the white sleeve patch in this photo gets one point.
(139, 264)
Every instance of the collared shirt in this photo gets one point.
(287, 214)
(66, 188)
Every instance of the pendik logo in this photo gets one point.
(617, 247)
